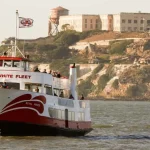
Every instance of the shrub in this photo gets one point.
(46, 47)
(103, 81)
(97, 69)
(136, 75)
(136, 90)
(60, 52)
(85, 87)
(67, 38)
(119, 47)
(147, 45)
(115, 84)
(110, 72)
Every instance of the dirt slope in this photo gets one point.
(116, 35)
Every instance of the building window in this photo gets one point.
(96, 26)
(96, 20)
(123, 21)
(148, 22)
(129, 21)
(91, 20)
(148, 29)
(85, 20)
(135, 28)
(141, 28)
(135, 21)
(91, 26)
(142, 21)
(123, 29)
(129, 28)
(85, 25)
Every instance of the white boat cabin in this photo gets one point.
(15, 73)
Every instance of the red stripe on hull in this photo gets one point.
(30, 104)
(30, 116)
(41, 98)
(22, 97)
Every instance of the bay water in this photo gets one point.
(117, 125)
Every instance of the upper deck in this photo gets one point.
(14, 63)
(16, 70)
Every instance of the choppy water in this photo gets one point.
(117, 126)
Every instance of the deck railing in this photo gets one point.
(71, 103)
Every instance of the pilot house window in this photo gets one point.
(7, 63)
(16, 63)
(1, 63)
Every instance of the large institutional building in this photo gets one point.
(122, 22)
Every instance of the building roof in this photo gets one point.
(59, 8)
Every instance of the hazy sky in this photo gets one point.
(39, 11)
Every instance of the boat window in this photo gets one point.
(22, 64)
(26, 63)
(48, 89)
(51, 110)
(10, 85)
(56, 92)
(55, 113)
(33, 87)
(28, 87)
(65, 102)
(72, 116)
(1, 63)
(81, 116)
(59, 114)
(16, 63)
(69, 115)
(7, 63)
(63, 114)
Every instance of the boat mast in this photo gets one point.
(15, 48)
(17, 14)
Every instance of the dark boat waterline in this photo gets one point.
(26, 129)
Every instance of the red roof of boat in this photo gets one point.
(12, 58)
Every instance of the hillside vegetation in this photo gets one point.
(131, 81)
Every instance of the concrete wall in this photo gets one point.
(115, 22)
(135, 21)
(83, 45)
(80, 23)
(74, 21)
(104, 22)
(90, 22)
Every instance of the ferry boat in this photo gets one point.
(24, 110)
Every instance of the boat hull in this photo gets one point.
(26, 129)
(27, 114)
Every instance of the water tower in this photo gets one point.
(54, 19)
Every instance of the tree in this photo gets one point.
(65, 27)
